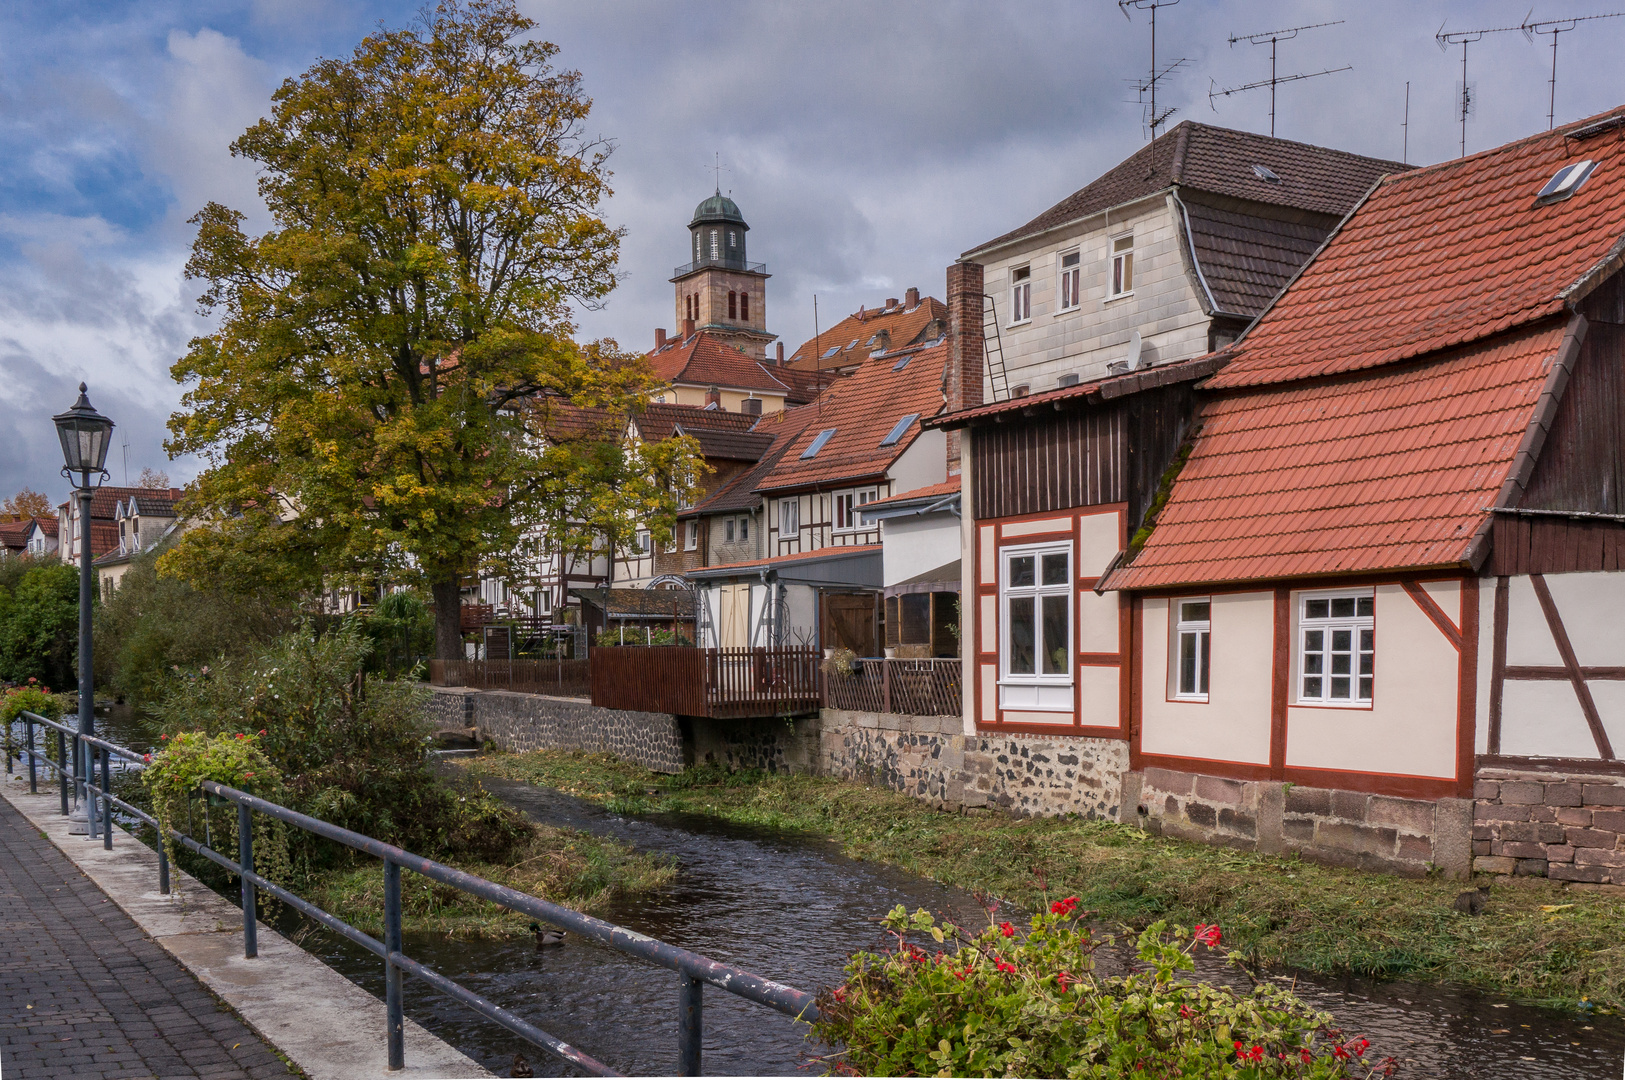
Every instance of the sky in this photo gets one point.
(867, 144)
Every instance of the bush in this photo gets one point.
(39, 626)
(401, 630)
(352, 750)
(640, 635)
(1014, 1002)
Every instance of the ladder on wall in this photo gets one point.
(993, 348)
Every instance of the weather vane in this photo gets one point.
(719, 168)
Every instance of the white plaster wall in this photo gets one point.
(924, 463)
(1486, 663)
(1164, 306)
(1410, 730)
(1544, 718)
(1100, 538)
(912, 545)
(1234, 723)
(1099, 702)
(1098, 621)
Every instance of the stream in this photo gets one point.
(792, 909)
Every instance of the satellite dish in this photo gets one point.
(1133, 357)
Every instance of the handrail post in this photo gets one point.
(88, 784)
(33, 782)
(392, 973)
(163, 867)
(885, 685)
(107, 801)
(62, 768)
(690, 1024)
(245, 862)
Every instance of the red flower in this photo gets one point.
(1207, 934)
(146, 757)
(1000, 964)
(262, 731)
(1339, 1053)
(1007, 930)
(1306, 1055)
(1257, 1054)
(1360, 1047)
(163, 736)
(32, 680)
(1063, 907)
(240, 735)
(1237, 1045)
(1185, 1012)
(840, 993)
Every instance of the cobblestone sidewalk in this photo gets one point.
(85, 994)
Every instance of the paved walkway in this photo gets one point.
(84, 993)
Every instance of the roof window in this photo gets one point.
(1567, 181)
(903, 363)
(818, 444)
(852, 344)
(897, 432)
(1264, 172)
(831, 351)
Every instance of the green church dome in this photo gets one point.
(717, 208)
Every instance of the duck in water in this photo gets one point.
(550, 936)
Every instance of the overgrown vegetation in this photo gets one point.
(39, 621)
(1536, 941)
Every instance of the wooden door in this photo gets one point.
(849, 622)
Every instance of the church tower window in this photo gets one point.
(733, 305)
(714, 251)
(744, 306)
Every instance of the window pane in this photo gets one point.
(1187, 663)
(1021, 635)
(1342, 607)
(1341, 640)
(1365, 689)
(1070, 260)
(1128, 271)
(1055, 569)
(1195, 611)
(1311, 688)
(1366, 640)
(1057, 642)
(1315, 609)
(1123, 243)
(1311, 663)
(1021, 572)
(1313, 640)
(1340, 663)
(1367, 606)
(1203, 688)
(744, 528)
(1340, 689)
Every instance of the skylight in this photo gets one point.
(818, 444)
(1264, 172)
(1567, 181)
(903, 363)
(897, 432)
(831, 351)
(852, 344)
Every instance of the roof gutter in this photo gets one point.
(917, 508)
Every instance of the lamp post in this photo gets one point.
(84, 433)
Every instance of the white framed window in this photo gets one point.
(847, 503)
(691, 535)
(640, 542)
(1192, 633)
(714, 251)
(728, 531)
(1035, 639)
(744, 528)
(1122, 276)
(1021, 294)
(1069, 288)
(789, 517)
(1337, 635)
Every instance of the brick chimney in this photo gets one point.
(713, 396)
(778, 353)
(911, 298)
(688, 329)
(891, 302)
(965, 359)
(660, 337)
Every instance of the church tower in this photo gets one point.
(723, 292)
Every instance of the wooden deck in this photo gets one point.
(715, 683)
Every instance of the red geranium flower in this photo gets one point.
(1207, 934)
(1063, 907)
(1007, 930)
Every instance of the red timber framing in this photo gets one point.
(1085, 579)
(1578, 677)
(1463, 637)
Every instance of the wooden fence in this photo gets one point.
(565, 678)
(909, 687)
(719, 683)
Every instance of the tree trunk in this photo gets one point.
(448, 616)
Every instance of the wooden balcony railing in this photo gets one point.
(563, 678)
(909, 687)
(718, 683)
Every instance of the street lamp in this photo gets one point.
(84, 433)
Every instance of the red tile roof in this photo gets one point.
(862, 409)
(1392, 469)
(857, 335)
(930, 491)
(14, 534)
(1442, 256)
(836, 551)
(1106, 388)
(702, 360)
(106, 499)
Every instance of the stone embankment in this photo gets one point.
(1566, 826)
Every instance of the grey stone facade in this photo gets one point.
(1567, 826)
(1343, 828)
(931, 758)
(521, 722)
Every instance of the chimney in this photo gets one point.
(965, 357)
(912, 297)
(778, 351)
(891, 302)
(688, 329)
(713, 396)
(660, 337)
(882, 341)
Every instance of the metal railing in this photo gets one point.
(694, 971)
(722, 261)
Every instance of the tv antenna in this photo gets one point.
(719, 168)
(1154, 119)
(1273, 37)
(1555, 27)
(1464, 96)
(1405, 127)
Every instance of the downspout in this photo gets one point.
(1190, 247)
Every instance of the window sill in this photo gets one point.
(1189, 699)
(1068, 311)
(1119, 296)
(1024, 322)
(1358, 706)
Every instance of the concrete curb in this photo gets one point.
(325, 1024)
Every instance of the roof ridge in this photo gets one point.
(1442, 166)
(1176, 171)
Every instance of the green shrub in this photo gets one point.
(401, 629)
(352, 750)
(39, 626)
(1014, 1002)
(640, 635)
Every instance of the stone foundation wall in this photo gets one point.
(931, 758)
(521, 722)
(1567, 826)
(1343, 828)
(772, 745)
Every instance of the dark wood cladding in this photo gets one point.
(1582, 464)
(1087, 455)
(1555, 545)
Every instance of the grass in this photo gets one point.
(1537, 941)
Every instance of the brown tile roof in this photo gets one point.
(103, 537)
(47, 525)
(14, 534)
(1391, 469)
(1442, 256)
(722, 435)
(857, 335)
(702, 360)
(930, 491)
(1246, 259)
(1218, 160)
(106, 499)
(862, 409)
(739, 493)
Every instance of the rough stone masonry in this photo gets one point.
(1566, 826)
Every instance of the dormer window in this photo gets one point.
(1566, 182)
